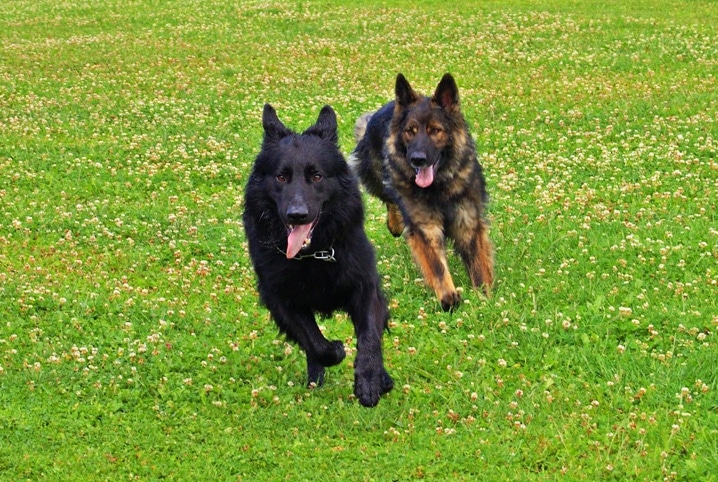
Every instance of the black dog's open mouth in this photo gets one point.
(299, 236)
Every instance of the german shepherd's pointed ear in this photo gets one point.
(447, 93)
(273, 127)
(325, 126)
(405, 95)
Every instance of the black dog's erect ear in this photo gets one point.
(447, 93)
(325, 126)
(273, 127)
(405, 95)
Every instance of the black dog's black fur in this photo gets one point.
(302, 179)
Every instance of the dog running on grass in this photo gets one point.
(417, 156)
(303, 218)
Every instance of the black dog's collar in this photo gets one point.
(323, 255)
(320, 255)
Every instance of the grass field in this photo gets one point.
(132, 343)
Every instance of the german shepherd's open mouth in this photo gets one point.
(424, 175)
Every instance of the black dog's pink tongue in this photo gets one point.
(297, 236)
(425, 176)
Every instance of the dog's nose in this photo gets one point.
(417, 158)
(298, 214)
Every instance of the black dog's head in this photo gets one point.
(423, 125)
(299, 173)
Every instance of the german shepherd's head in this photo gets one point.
(297, 174)
(426, 130)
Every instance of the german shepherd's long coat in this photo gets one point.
(303, 218)
(416, 155)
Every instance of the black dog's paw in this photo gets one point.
(386, 382)
(370, 385)
(333, 355)
(315, 374)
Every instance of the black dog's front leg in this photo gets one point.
(301, 327)
(371, 379)
(315, 373)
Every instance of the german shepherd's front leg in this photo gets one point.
(394, 221)
(471, 238)
(428, 248)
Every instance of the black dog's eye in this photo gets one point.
(281, 178)
(316, 177)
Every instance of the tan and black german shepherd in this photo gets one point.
(416, 155)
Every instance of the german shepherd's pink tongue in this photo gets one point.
(425, 176)
(298, 236)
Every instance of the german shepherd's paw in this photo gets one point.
(450, 301)
(370, 385)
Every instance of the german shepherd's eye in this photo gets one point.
(411, 131)
(281, 178)
(433, 130)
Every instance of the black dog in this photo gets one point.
(303, 216)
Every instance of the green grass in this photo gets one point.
(132, 343)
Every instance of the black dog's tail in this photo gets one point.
(360, 126)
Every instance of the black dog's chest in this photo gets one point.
(313, 283)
